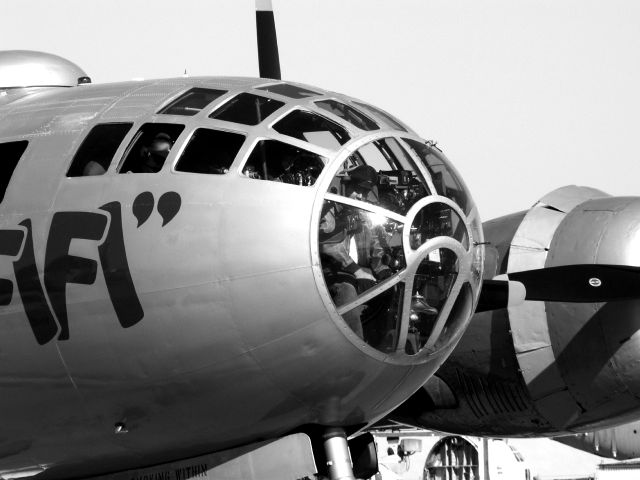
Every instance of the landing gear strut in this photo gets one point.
(336, 450)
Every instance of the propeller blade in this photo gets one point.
(582, 283)
(268, 57)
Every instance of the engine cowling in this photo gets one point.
(544, 368)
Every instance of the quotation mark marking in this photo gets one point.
(168, 206)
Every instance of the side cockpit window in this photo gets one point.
(281, 162)
(312, 128)
(150, 147)
(97, 150)
(210, 151)
(247, 109)
(192, 101)
(10, 154)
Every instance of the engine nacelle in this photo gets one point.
(545, 367)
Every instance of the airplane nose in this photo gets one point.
(400, 260)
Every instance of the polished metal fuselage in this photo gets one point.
(238, 340)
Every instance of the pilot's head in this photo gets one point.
(160, 145)
(361, 181)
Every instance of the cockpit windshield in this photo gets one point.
(313, 128)
(348, 113)
(281, 162)
(444, 176)
(247, 109)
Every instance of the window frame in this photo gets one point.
(238, 94)
(303, 109)
(123, 141)
(177, 145)
(181, 95)
(250, 146)
(188, 135)
(18, 158)
(316, 105)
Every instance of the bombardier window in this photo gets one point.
(210, 151)
(247, 109)
(394, 152)
(435, 220)
(390, 252)
(382, 114)
(97, 150)
(445, 178)
(281, 162)
(10, 154)
(378, 321)
(375, 174)
(288, 90)
(150, 147)
(192, 101)
(349, 114)
(432, 286)
(312, 128)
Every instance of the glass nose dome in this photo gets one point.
(396, 246)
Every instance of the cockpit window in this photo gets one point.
(381, 173)
(10, 154)
(288, 90)
(247, 108)
(281, 162)
(150, 147)
(382, 114)
(348, 114)
(97, 150)
(313, 128)
(192, 101)
(210, 151)
(445, 178)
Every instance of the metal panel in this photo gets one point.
(540, 372)
(567, 198)
(537, 229)
(289, 458)
(559, 408)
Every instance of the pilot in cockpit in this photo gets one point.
(154, 154)
(344, 234)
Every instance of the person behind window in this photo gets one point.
(154, 154)
(93, 168)
(340, 227)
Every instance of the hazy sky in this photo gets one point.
(523, 96)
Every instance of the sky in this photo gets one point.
(522, 96)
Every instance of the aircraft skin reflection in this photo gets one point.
(191, 308)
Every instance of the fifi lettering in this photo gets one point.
(61, 268)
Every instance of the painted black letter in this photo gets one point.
(113, 258)
(10, 243)
(40, 318)
(61, 268)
